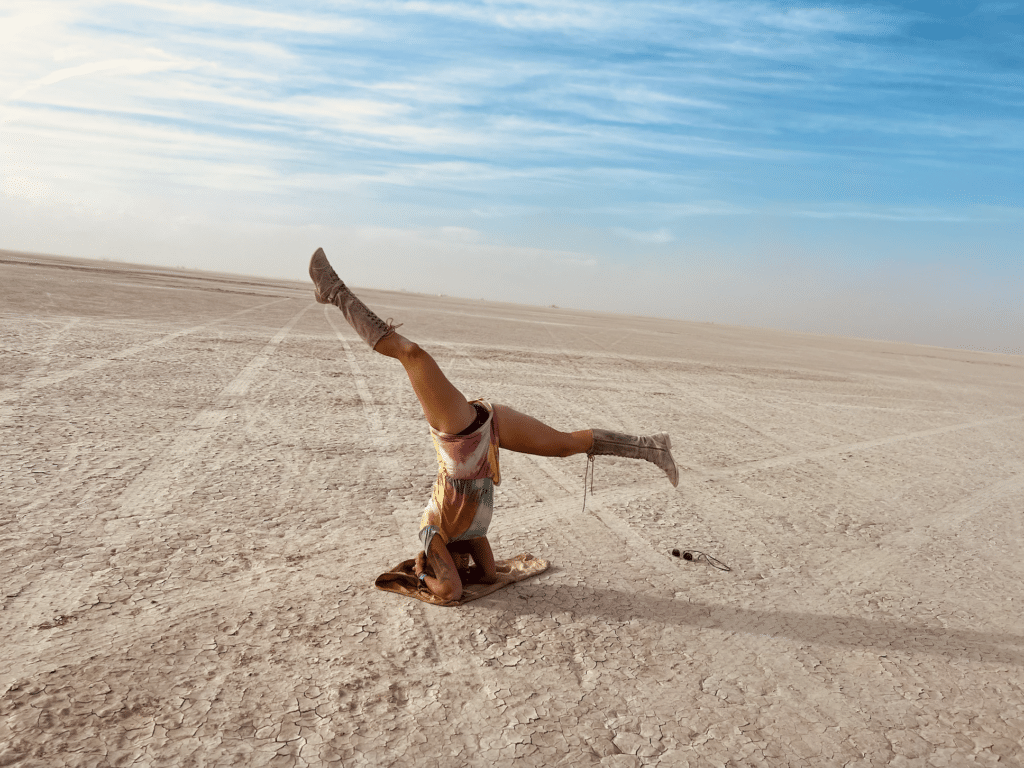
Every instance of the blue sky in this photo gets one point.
(848, 168)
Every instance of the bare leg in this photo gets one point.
(525, 434)
(444, 406)
(446, 409)
(480, 550)
(445, 583)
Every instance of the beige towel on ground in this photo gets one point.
(402, 579)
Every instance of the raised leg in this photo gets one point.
(525, 434)
(445, 408)
(448, 411)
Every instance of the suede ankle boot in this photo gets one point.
(329, 289)
(656, 449)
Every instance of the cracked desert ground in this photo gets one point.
(203, 474)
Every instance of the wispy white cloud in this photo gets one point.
(655, 237)
(962, 214)
(22, 20)
(108, 66)
(513, 14)
(206, 15)
(704, 208)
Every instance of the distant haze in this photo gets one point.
(854, 169)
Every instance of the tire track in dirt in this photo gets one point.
(93, 365)
(800, 413)
(975, 509)
(158, 477)
(383, 304)
(377, 434)
(797, 458)
(945, 538)
(979, 501)
(727, 414)
(932, 372)
(966, 508)
(45, 351)
(144, 502)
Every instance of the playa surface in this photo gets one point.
(203, 474)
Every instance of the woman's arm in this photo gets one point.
(480, 549)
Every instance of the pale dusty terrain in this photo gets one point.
(201, 476)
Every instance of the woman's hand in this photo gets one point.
(421, 564)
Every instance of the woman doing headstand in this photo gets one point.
(467, 435)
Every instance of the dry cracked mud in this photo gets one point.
(202, 474)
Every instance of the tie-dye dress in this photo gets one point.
(462, 500)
